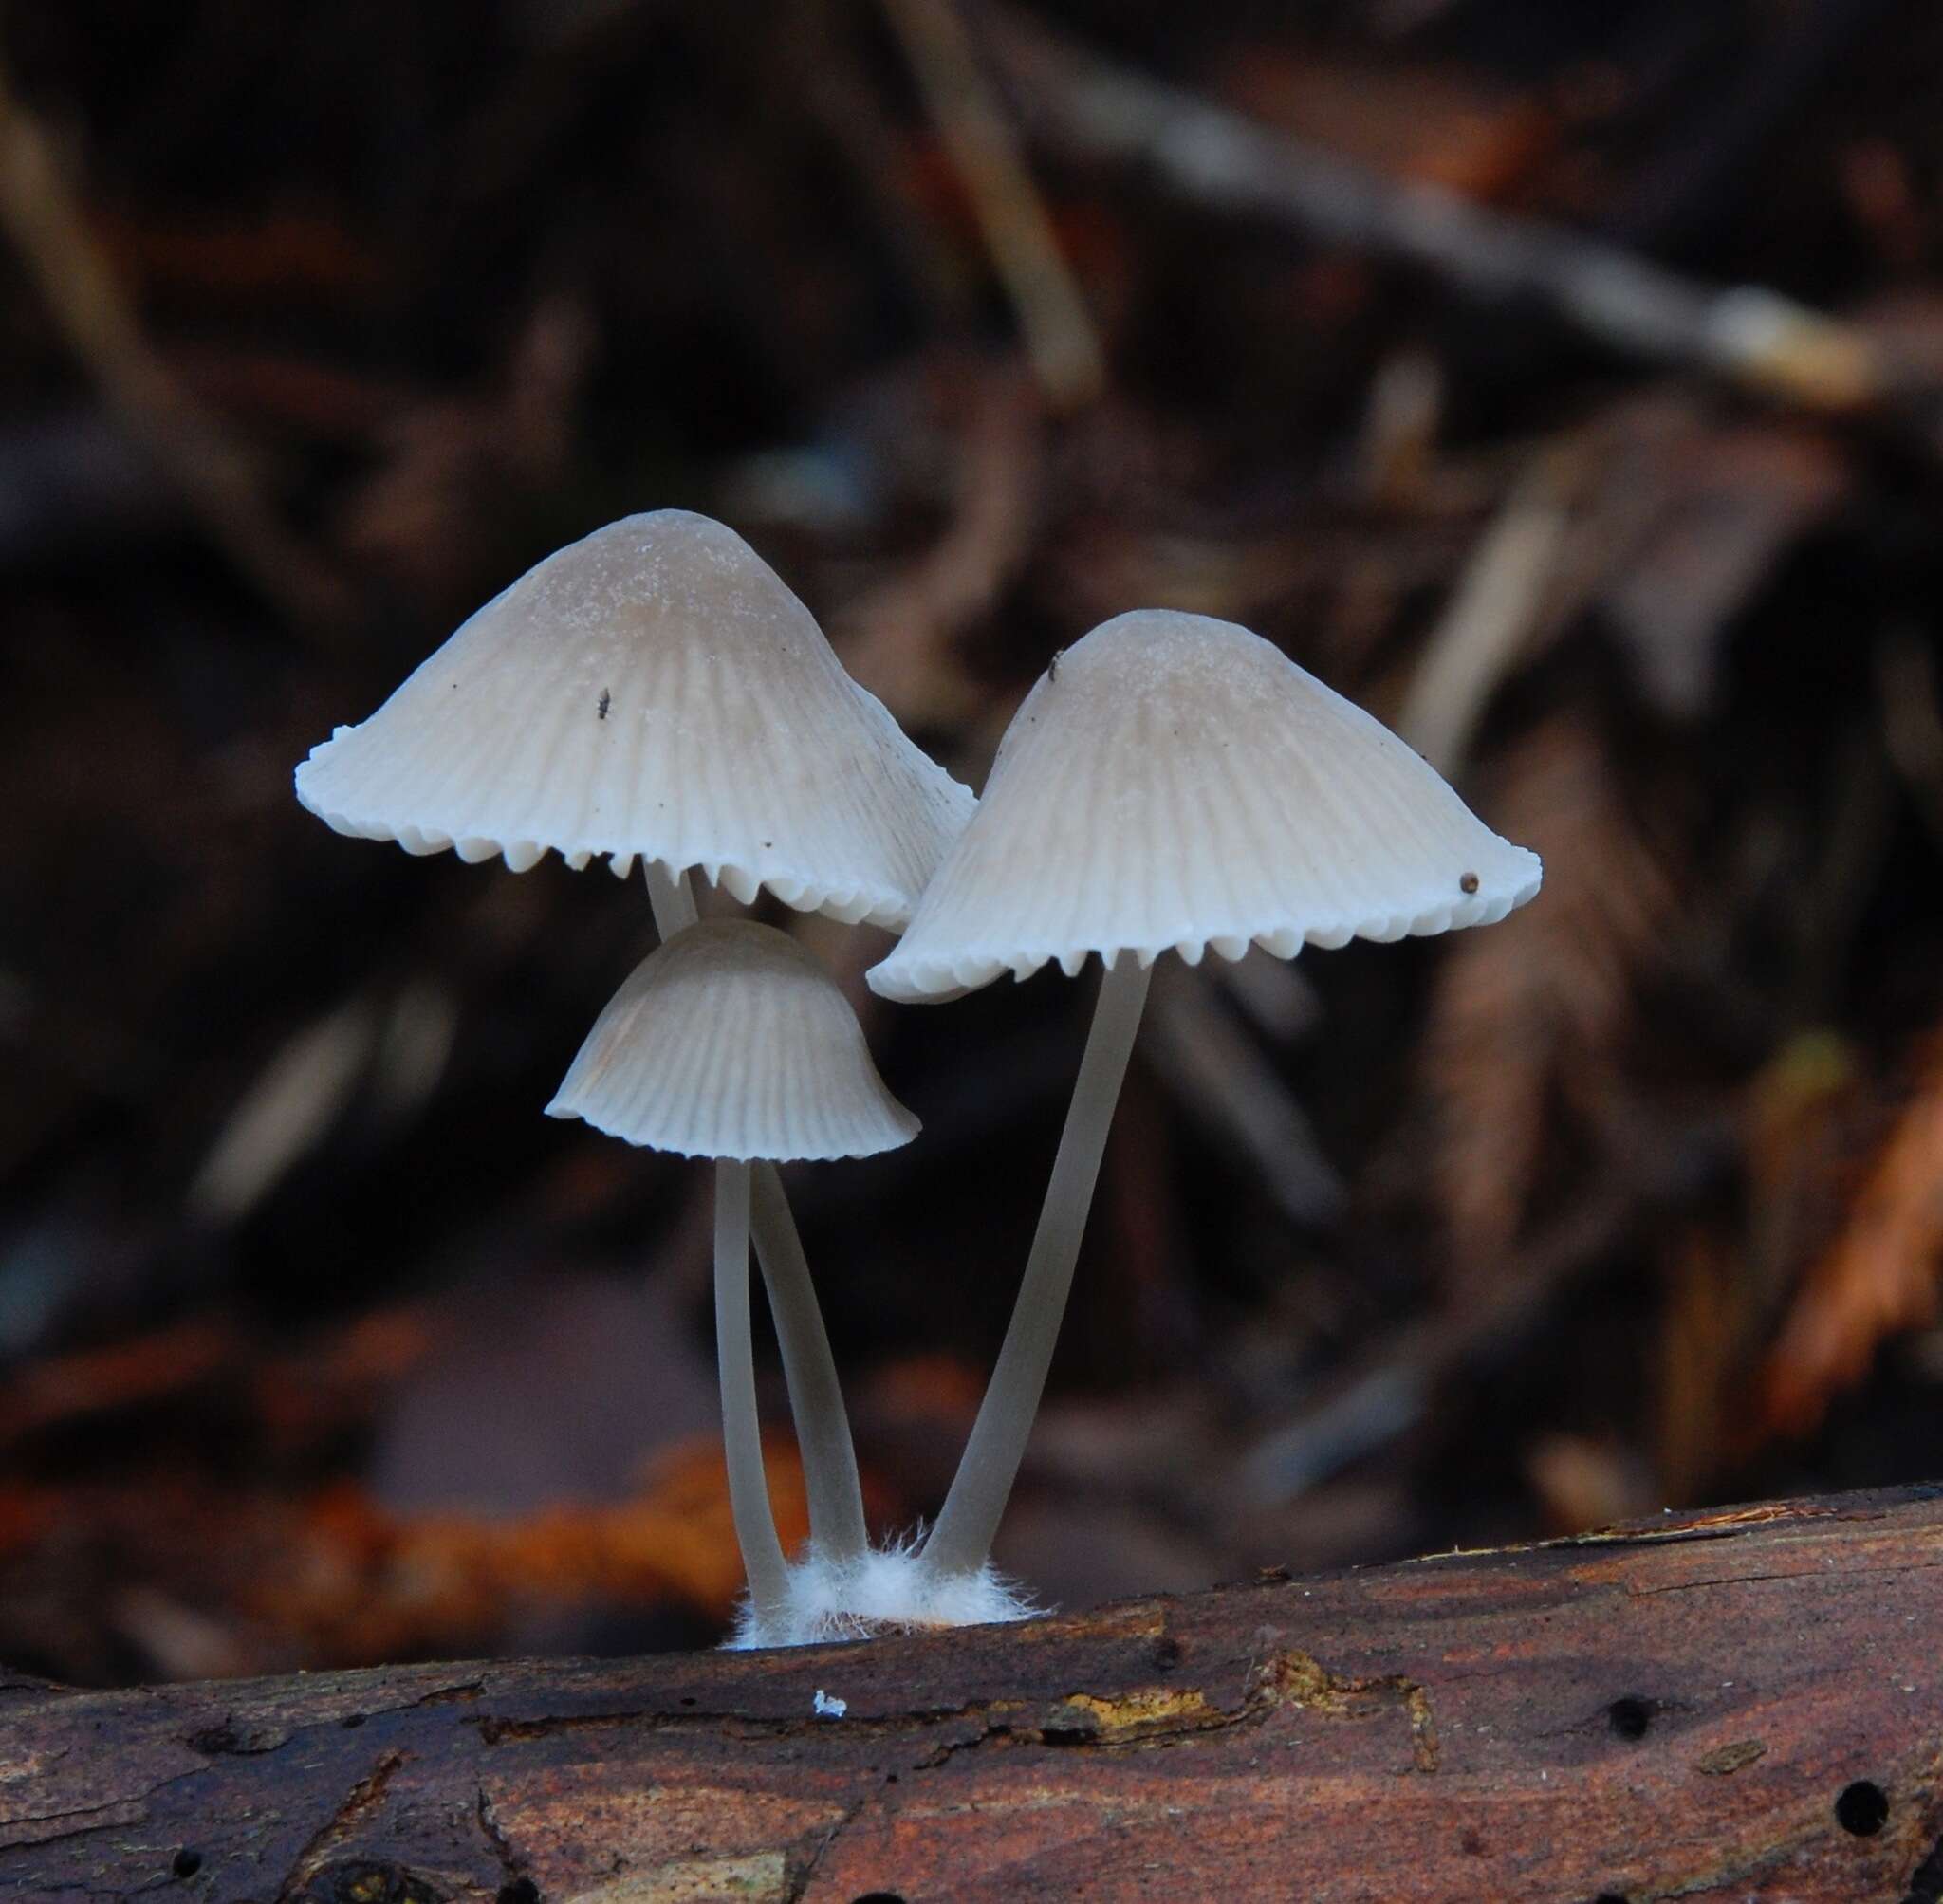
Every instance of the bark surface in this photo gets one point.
(1741, 1703)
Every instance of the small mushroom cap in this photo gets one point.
(653, 690)
(1178, 782)
(732, 1042)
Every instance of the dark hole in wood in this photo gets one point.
(1068, 1735)
(185, 1863)
(879, 1897)
(521, 1891)
(1629, 1717)
(1926, 1885)
(352, 1721)
(1166, 1653)
(1863, 1809)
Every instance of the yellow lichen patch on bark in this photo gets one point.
(1146, 1711)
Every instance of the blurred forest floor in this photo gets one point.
(1463, 348)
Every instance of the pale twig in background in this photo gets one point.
(1747, 334)
(1221, 1075)
(1397, 446)
(1059, 336)
(286, 1112)
(89, 307)
(1492, 611)
(1274, 993)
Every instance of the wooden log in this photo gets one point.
(1743, 1704)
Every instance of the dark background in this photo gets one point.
(318, 324)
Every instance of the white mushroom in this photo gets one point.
(655, 691)
(1176, 783)
(732, 1042)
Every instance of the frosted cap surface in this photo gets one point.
(1177, 781)
(730, 1041)
(653, 690)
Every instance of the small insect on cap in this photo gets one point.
(732, 1042)
(1182, 784)
(653, 690)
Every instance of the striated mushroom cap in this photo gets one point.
(652, 691)
(1178, 782)
(732, 1041)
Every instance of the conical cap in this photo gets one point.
(732, 1042)
(1175, 781)
(654, 690)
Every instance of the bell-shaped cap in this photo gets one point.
(651, 690)
(1175, 781)
(732, 1041)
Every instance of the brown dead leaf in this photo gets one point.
(356, 1583)
(1879, 1277)
(128, 1374)
(1704, 1324)
(1527, 1017)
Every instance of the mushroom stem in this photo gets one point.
(742, 1434)
(816, 1396)
(962, 1538)
(672, 897)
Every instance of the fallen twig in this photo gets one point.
(1747, 334)
(87, 305)
(1059, 336)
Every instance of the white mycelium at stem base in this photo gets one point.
(886, 1590)
(1178, 783)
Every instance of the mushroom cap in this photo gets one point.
(654, 690)
(732, 1041)
(1178, 782)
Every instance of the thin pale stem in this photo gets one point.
(672, 896)
(815, 1398)
(742, 1432)
(962, 1538)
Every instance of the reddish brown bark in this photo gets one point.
(1742, 1704)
